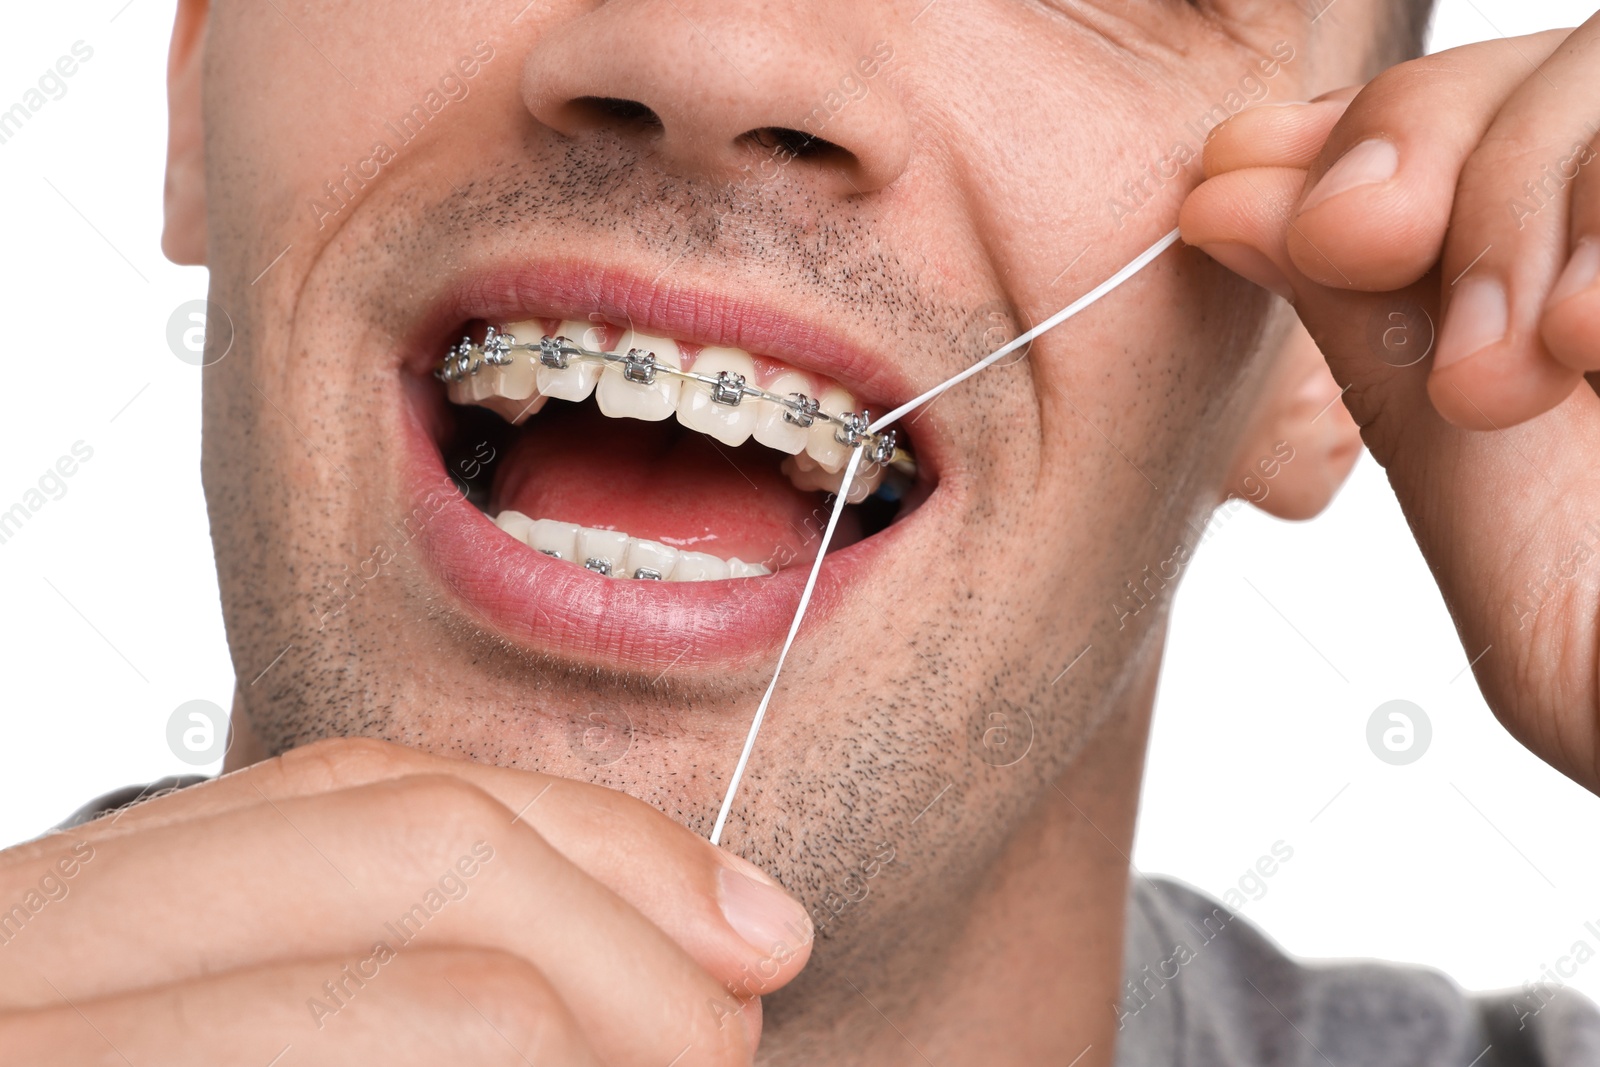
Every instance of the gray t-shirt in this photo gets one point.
(1204, 988)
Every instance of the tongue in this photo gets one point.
(661, 482)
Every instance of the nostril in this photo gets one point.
(797, 143)
(613, 111)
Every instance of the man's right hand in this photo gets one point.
(354, 901)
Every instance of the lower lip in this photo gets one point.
(561, 609)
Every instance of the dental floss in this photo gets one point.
(1137, 264)
(794, 627)
(1133, 267)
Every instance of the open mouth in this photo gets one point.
(637, 522)
(661, 460)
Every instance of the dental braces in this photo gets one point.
(467, 357)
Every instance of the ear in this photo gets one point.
(1303, 443)
(183, 238)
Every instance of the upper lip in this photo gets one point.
(578, 289)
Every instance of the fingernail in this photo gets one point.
(1580, 273)
(1371, 161)
(1251, 264)
(764, 915)
(1476, 319)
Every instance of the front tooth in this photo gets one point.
(578, 380)
(698, 567)
(738, 568)
(826, 449)
(608, 545)
(514, 523)
(621, 399)
(732, 424)
(558, 539)
(772, 429)
(651, 555)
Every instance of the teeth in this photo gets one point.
(578, 380)
(805, 474)
(616, 555)
(647, 390)
(650, 556)
(620, 398)
(558, 539)
(514, 523)
(516, 412)
(772, 429)
(826, 449)
(510, 389)
(478, 386)
(732, 424)
(602, 546)
(699, 567)
(514, 380)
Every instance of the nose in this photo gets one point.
(731, 91)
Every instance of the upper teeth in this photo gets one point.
(642, 377)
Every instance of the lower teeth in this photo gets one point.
(613, 554)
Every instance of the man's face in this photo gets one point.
(383, 178)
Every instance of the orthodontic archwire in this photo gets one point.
(1134, 266)
(467, 358)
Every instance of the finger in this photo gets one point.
(466, 1007)
(1239, 219)
(1378, 202)
(1571, 324)
(675, 878)
(1508, 243)
(427, 861)
(1272, 135)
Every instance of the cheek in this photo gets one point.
(267, 92)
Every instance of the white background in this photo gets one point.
(1476, 859)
